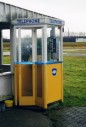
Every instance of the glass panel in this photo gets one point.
(39, 44)
(49, 52)
(5, 47)
(26, 45)
(53, 44)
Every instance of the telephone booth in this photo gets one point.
(38, 57)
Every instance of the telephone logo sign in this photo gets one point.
(54, 71)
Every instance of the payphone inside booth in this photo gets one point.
(38, 56)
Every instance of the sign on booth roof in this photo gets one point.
(38, 21)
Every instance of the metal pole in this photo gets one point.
(61, 44)
(1, 48)
(44, 67)
(12, 47)
(19, 44)
(44, 44)
(61, 55)
(12, 53)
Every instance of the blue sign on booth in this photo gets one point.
(54, 71)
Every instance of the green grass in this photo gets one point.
(6, 60)
(74, 81)
(6, 48)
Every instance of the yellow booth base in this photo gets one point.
(49, 84)
(24, 84)
(38, 84)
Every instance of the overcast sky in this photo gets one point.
(72, 11)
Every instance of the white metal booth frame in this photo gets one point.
(33, 24)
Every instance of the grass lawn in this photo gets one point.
(74, 81)
(6, 60)
(75, 76)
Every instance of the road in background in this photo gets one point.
(74, 52)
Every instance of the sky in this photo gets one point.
(73, 12)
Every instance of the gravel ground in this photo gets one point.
(68, 117)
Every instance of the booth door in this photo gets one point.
(26, 85)
(24, 68)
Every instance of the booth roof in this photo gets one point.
(38, 21)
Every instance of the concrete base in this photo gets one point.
(23, 118)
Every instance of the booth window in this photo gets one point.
(53, 44)
(5, 49)
(25, 44)
(39, 44)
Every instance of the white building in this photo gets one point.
(80, 39)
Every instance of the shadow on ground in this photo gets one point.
(53, 117)
(23, 118)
